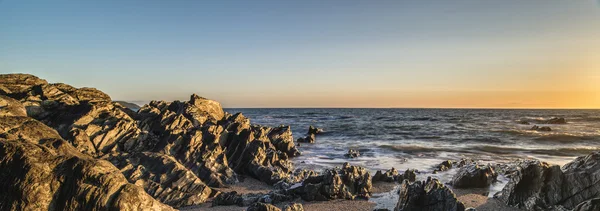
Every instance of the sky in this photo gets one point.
(314, 53)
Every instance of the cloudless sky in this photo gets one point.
(462, 53)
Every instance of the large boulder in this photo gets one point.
(348, 182)
(538, 186)
(474, 176)
(430, 195)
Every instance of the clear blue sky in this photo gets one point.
(478, 53)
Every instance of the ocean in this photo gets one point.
(422, 138)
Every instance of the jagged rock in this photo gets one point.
(352, 153)
(163, 178)
(262, 207)
(349, 182)
(409, 174)
(392, 175)
(99, 128)
(444, 166)
(523, 122)
(539, 186)
(314, 130)
(293, 207)
(538, 128)
(308, 139)
(389, 176)
(427, 195)
(11, 107)
(49, 174)
(229, 198)
(18, 83)
(474, 176)
(589, 205)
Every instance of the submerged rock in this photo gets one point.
(314, 130)
(352, 153)
(554, 120)
(474, 176)
(349, 182)
(538, 128)
(430, 195)
(539, 186)
(308, 139)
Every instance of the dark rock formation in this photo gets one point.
(538, 128)
(314, 130)
(262, 207)
(293, 207)
(428, 195)
(175, 151)
(539, 186)
(352, 153)
(474, 176)
(444, 166)
(349, 182)
(389, 176)
(393, 175)
(310, 138)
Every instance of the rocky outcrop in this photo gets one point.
(352, 153)
(538, 185)
(474, 176)
(163, 178)
(348, 182)
(538, 128)
(18, 83)
(175, 151)
(427, 195)
(393, 175)
(216, 148)
(47, 173)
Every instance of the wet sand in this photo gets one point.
(480, 201)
